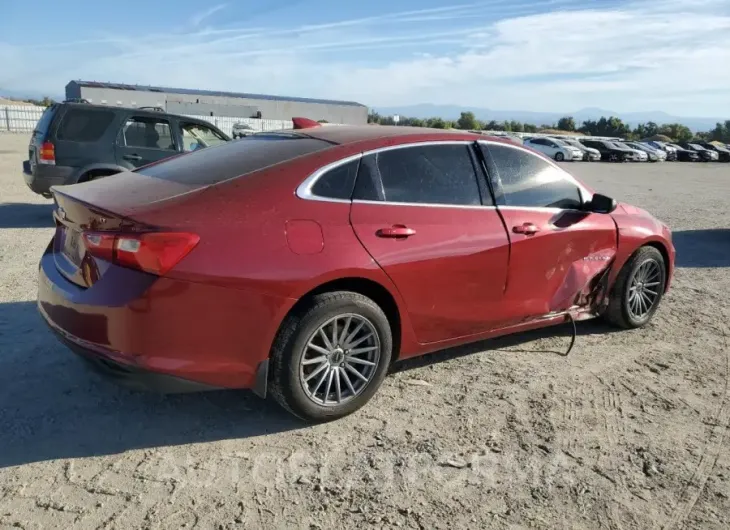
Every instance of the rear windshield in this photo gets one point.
(84, 125)
(45, 121)
(232, 159)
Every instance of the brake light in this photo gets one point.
(47, 154)
(152, 252)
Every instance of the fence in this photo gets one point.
(20, 118)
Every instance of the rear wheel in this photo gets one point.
(638, 290)
(330, 358)
(559, 157)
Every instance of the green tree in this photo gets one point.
(646, 130)
(493, 125)
(566, 123)
(414, 122)
(611, 126)
(467, 121)
(373, 117)
(721, 132)
(436, 123)
(529, 128)
(676, 131)
(516, 126)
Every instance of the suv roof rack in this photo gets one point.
(158, 109)
(76, 100)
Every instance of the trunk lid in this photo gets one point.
(110, 204)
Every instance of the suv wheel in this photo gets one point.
(559, 157)
(330, 358)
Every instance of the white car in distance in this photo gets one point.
(555, 149)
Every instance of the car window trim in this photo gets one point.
(585, 195)
(304, 190)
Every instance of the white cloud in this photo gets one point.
(198, 18)
(640, 55)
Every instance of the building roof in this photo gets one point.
(122, 86)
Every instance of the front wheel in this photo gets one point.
(638, 289)
(330, 358)
(559, 157)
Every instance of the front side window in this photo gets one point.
(147, 133)
(529, 181)
(428, 174)
(196, 136)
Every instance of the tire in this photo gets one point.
(619, 311)
(287, 376)
(559, 157)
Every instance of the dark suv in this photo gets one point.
(77, 142)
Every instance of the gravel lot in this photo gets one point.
(628, 431)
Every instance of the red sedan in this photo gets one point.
(304, 263)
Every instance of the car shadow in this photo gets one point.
(23, 215)
(55, 407)
(584, 328)
(702, 248)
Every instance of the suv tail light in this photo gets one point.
(152, 252)
(47, 154)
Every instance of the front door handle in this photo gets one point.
(133, 158)
(525, 228)
(396, 231)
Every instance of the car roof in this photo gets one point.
(351, 134)
(136, 110)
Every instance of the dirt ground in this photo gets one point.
(627, 432)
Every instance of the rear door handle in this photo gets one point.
(396, 231)
(134, 158)
(525, 228)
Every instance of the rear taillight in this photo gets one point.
(47, 154)
(153, 252)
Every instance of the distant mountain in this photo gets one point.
(452, 112)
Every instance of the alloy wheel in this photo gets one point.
(340, 359)
(644, 289)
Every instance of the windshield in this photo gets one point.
(697, 147)
(621, 145)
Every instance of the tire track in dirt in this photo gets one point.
(696, 484)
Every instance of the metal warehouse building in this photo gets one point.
(210, 103)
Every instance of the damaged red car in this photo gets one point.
(303, 263)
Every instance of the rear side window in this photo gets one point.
(84, 125)
(429, 174)
(45, 122)
(233, 159)
(148, 133)
(338, 182)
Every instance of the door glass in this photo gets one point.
(429, 174)
(528, 180)
(196, 136)
(147, 133)
(84, 125)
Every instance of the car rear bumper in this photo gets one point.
(45, 176)
(159, 332)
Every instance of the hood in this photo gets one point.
(630, 209)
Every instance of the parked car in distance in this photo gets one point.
(705, 154)
(723, 153)
(554, 148)
(639, 155)
(685, 155)
(307, 282)
(77, 142)
(241, 130)
(589, 154)
(670, 151)
(610, 152)
(654, 155)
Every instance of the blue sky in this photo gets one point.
(539, 55)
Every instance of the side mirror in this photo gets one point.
(601, 204)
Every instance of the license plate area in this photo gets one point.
(71, 245)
